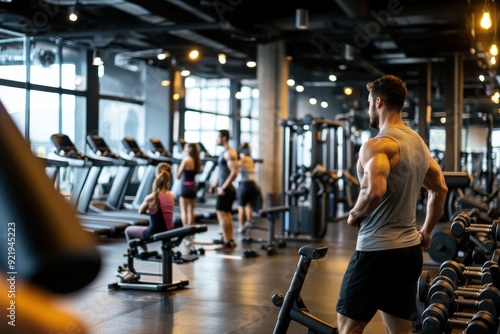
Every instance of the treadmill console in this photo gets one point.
(158, 149)
(99, 147)
(65, 147)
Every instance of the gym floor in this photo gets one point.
(227, 293)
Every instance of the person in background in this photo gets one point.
(159, 205)
(228, 171)
(189, 167)
(393, 167)
(247, 188)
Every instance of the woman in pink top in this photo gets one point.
(159, 205)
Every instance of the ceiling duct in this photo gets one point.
(134, 60)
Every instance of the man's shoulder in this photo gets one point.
(231, 153)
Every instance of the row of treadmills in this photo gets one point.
(111, 216)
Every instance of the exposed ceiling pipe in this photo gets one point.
(166, 28)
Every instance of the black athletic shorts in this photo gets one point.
(382, 280)
(225, 203)
(188, 189)
(247, 192)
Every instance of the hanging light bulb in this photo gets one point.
(494, 50)
(222, 58)
(486, 20)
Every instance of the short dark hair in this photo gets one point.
(391, 89)
(224, 133)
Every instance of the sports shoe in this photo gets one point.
(188, 240)
(230, 244)
(243, 229)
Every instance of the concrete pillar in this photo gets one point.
(424, 103)
(454, 98)
(272, 73)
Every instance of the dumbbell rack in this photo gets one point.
(451, 302)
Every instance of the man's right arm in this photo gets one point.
(437, 190)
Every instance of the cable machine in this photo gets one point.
(310, 157)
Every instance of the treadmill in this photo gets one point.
(114, 204)
(134, 152)
(52, 168)
(88, 171)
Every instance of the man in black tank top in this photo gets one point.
(226, 193)
(393, 167)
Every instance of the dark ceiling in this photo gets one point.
(354, 39)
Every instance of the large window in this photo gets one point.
(121, 119)
(249, 125)
(207, 111)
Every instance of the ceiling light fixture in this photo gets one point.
(251, 63)
(194, 54)
(290, 82)
(222, 58)
(97, 58)
(486, 18)
(73, 12)
(313, 100)
(299, 88)
(486, 21)
(162, 55)
(494, 50)
(302, 19)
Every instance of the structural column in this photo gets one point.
(454, 98)
(424, 103)
(272, 72)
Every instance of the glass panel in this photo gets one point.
(192, 136)
(246, 107)
(44, 121)
(119, 119)
(223, 107)
(245, 125)
(112, 82)
(208, 121)
(74, 69)
(223, 93)
(209, 140)
(12, 57)
(191, 120)
(193, 99)
(74, 109)
(14, 100)
(44, 64)
(255, 126)
(255, 103)
(222, 123)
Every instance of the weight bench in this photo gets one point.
(131, 279)
(272, 241)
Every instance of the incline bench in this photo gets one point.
(130, 278)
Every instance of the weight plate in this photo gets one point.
(444, 246)
(423, 286)
(496, 255)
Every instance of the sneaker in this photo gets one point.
(188, 240)
(245, 228)
(230, 244)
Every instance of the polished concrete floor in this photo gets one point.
(226, 293)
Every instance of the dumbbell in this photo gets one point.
(458, 272)
(487, 292)
(459, 228)
(424, 283)
(435, 320)
(453, 304)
